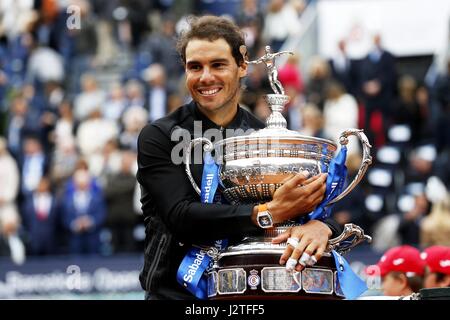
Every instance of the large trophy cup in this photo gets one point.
(252, 167)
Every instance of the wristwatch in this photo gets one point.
(264, 218)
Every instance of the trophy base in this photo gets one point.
(252, 271)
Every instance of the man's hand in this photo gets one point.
(372, 87)
(312, 241)
(297, 196)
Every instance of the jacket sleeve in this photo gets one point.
(167, 191)
(335, 227)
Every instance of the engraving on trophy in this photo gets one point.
(231, 281)
(318, 281)
(278, 279)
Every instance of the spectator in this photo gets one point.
(79, 45)
(378, 80)
(83, 213)
(281, 21)
(291, 79)
(34, 164)
(41, 216)
(435, 228)
(91, 97)
(119, 192)
(318, 79)
(64, 161)
(343, 68)
(251, 20)
(312, 121)
(135, 93)
(9, 217)
(65, 126)
(134, 119)
(22, 121)
(115, 103)
(340, 113)
(409, 228)
(44, 65)
(161, 47)
(106, 162)
(437, 267)
(401, 270)
(442, 88)
(158, 92)
(405, 109)
(95, 126)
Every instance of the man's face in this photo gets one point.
(430, 280)
(392, 286)
(212, 75)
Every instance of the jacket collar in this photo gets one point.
(237, 122)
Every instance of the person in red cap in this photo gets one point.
(437, 267)
(401, 270)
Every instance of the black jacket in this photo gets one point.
(174, 216)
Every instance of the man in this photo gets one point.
(401, 271)
(175, 218)
(437, 269)
(378, 84)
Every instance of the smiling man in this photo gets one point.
(175, 218)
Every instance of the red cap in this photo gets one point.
(437, 258)
(401, 259)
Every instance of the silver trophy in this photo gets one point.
(252, 168)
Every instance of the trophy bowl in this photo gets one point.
(254, 166)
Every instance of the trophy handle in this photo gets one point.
(187, 158)
(366, 161)
(348, 239)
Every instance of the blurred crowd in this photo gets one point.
(79, 79)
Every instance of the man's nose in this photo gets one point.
(206, 75)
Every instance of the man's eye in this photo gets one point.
(218, 65)
(194, 67)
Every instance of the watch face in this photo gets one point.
(265, 220)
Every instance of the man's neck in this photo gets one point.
(222, 117)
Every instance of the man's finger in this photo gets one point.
(315, 185)
(298, 179)
(319, 252)
(313, 178)
(305, 258)
(282, 237)
(298, 251)
(317, 196)
(286, 254)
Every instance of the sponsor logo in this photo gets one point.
(209, 179)
(193, 268)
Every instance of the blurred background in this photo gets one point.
(79, 79)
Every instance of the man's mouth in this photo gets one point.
(209, 92)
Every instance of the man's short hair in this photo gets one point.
(212, 28)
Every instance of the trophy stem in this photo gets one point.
(276, 102)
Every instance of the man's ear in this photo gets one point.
(243, 69)
(403, 280)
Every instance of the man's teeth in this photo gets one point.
(209, 92)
